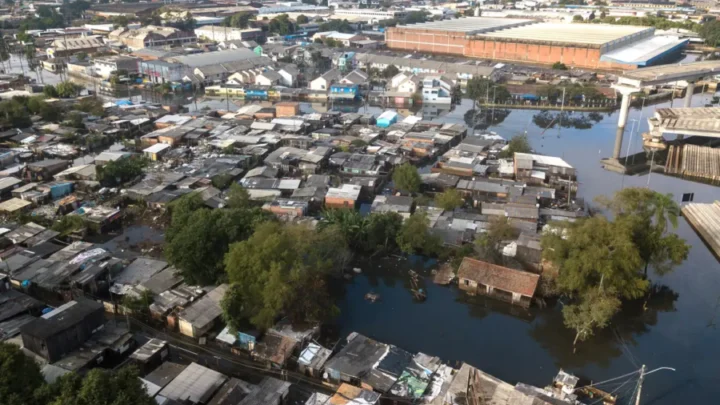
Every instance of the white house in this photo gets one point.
(268, 78)
(326, 80)
(289, 75)
(104, 67)
(437, 90)
(411, 84)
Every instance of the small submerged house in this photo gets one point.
(514, 286)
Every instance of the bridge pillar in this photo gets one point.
(622, 120)
(689, 90)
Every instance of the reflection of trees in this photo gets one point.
(566, 119)
(633, 320)
(484, 118)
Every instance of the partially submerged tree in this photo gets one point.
(283, 270)
(593, 312)
(518, 144)
(415, 236)
(651, 216)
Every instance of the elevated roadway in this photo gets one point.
(633, 81)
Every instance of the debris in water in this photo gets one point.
(357, 270)
(372, 297)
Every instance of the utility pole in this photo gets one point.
(640, 382)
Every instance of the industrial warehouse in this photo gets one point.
(593, 46)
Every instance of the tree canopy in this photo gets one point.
(198, 238)
(479, 89)
(371, 234)
(282, 270)
(415, 237)
(120, 171)
(449, 199)
(710, 32)
(20, 376)
(334, 25)
(650, 216)
(22, 383)
(390, 71)
(281, 25)
(407, 178)
(518, 144)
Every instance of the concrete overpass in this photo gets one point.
(700, 121)
(633, 81)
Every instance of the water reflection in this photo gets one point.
(566, 119)
(633, 321)
(483, 118)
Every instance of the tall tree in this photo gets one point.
(198, 248)
(415, 237)
(19, 376)
(282, 270)
(651, 216)
(449, 199)
(407, 178)
(593, 312)
(518, 144)
(595, 254)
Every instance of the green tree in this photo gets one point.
(100, 387)
(407, 178)
(50, 91)
(239, 20)
(390, 71)
(449, 199)
(69, 224)
(650, 215)
(336, 25)
(81, 56)
(67, 89)
(593, 312)
(415, 237)
(381, 232)
(120, 171)
(302, 19)
(282, 270)
(198, 248)
(415, 17)
(14, 113)
(498, 231)
(75, 120)
(559, 66)
(91, 105)
(238, 197)
(578, 18)
(19, 376)
(281, 25)
(518, 144)
(710, 32)
(139, 305)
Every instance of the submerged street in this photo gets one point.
(677, 330)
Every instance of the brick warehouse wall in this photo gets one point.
(457, 44)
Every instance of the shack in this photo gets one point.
(510, 285)
(201, 316)
(63, 330)
(194, 385)
(356, 359)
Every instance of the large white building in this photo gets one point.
(369, 14)
(220, 34)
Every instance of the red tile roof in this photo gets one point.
(500, 277)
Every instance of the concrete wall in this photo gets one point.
(457, 44)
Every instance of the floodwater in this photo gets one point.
(677, 330)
